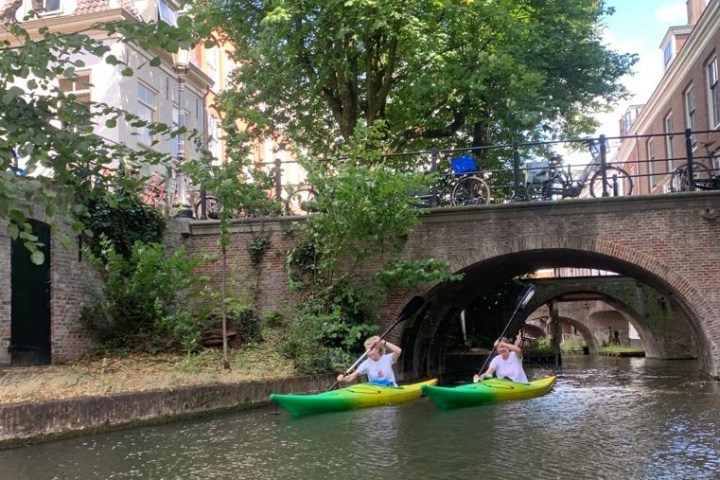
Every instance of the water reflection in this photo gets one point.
(606, 419)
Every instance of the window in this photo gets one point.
(77, 91)
(179, 119)
(147, 101)
(713, 94)
(667, 53)
(166, 13)
(689, 100)
(214, 145)
(213, 66)
(669, 143)
(651, 164)
(45, 6)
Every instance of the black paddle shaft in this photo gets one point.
(413, 306)
(523, 300)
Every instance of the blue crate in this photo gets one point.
(463, 164)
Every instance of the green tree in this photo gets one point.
(436, 72)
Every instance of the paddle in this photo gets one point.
(413, 306)
(523, 300)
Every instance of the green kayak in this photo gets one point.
(348, 398)
(487, 391)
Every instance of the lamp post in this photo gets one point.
(181, 65)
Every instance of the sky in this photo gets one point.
(638, 26)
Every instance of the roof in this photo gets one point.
(8, 8)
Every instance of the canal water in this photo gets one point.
(607, 418)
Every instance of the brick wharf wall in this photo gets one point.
(266, 284)
(22, 423)
(670, 242)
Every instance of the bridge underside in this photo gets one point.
(666, 326)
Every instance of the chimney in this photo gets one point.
(694, 10)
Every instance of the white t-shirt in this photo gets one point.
(379, 371)
(511, 368)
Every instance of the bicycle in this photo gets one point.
(298, 202)
(546, 180)
(704, 178)
(464, 186)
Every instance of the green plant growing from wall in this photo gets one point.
(258, 247)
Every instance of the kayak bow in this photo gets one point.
(348, 398)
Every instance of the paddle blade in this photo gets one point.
(412, 307)
(526, 295)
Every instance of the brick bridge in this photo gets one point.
(668, 245)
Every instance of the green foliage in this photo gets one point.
(542, 347)
(573, 344)
(319, 343)
(364, 210)
(301, 265)
(413, 273)
(245, 319)
(273, 319)
(145, 298)
(438, 73)
(123, 220)
(258, 246)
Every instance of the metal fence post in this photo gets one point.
(690, 168)
(603, 165)
(516, 172)
(434, 200)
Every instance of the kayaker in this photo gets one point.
(507, 363)
(379, 363)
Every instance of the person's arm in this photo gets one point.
(347, 378)
(392, 348)
(518, 342)
(513, 347)
(488, 374)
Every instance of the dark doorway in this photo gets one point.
(30, 297)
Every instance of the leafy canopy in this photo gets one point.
(437, 72)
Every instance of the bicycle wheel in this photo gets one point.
(470, 191)
(618, 183)
(300, 202)
(212, 208)
(556, 188)
(680, 181)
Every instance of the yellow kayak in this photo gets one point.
(348, 398)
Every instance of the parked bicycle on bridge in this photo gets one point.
(547, 180)
(465, 185)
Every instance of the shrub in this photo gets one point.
(141, 308)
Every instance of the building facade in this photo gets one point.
(654, 143)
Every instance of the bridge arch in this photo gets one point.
(425, 339)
